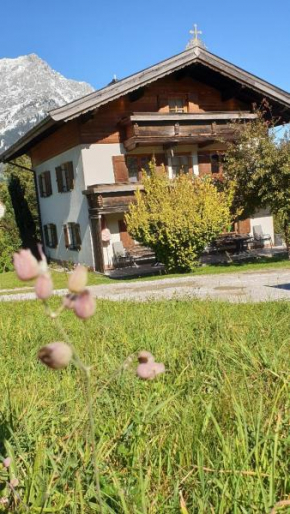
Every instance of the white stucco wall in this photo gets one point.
(70, 207)
(263, 217)
(98, 164)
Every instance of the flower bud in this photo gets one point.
(69, 301)
(149, 370)
(43, 286)
(145, 356)
(7, 462)
(14, 482)
(78, 279)
(26, 265)
(56, 355)
(85, 305)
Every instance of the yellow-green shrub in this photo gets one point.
(178, 218)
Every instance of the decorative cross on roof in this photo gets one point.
(195, 41)
(195, 32)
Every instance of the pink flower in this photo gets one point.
(14, 482)
(7, 462)
(26, 265)
(43, 286)
(85, 305)
(149, 370)
(145, 356)
(78, 279)
(56, 355)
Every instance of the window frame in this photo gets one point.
(65, 177)
(177, 98)
(72, 236)
(44, 180)
(50, 235)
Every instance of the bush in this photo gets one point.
(178, 218)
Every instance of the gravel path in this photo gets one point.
(250, 286)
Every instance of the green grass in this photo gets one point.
(215, 427)
(9, 280)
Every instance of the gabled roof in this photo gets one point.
(193, 56)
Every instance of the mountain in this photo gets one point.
(29, 88)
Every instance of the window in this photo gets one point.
(180, 164)
(136, 164)
(50, 234)
(176, 104)
(44, 181)
(65, 177)
(216, 162)
(72, 236)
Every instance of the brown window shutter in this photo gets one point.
(66, 236)
(45, 228)
(40, 183)
(53, 232)
(78, 235)
(47, 180)
(59, 179)
(204, 164)
(120, 168)
(69, 175)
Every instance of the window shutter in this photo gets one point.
(40, 184)
(78, 235)
(69, 176)
(59, 179)
(204, 164)
(66, 236)
(120, 168)
(45, 228)
(47, 180)
(53, 232)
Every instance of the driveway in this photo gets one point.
(248, 286)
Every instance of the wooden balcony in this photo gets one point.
(110, 198)
(184, 128)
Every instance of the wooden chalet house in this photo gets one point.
(87, 155)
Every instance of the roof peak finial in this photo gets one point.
(195, 40)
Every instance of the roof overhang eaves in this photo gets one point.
(25, 142)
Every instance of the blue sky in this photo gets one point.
(92, 40)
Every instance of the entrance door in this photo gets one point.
(126, 239)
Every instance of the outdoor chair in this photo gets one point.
(122, 257)
(260, 237)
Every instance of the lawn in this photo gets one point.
(213, 430)
(10, 281)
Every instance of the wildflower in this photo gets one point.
(78, 279)
(85, 305)
(56, 355)
(149, 370)
(14, 482)
(69, 301)
(7, 462)
(145, 356)
(44, 286)
(26, 265)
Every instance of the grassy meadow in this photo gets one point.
(209, 436)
